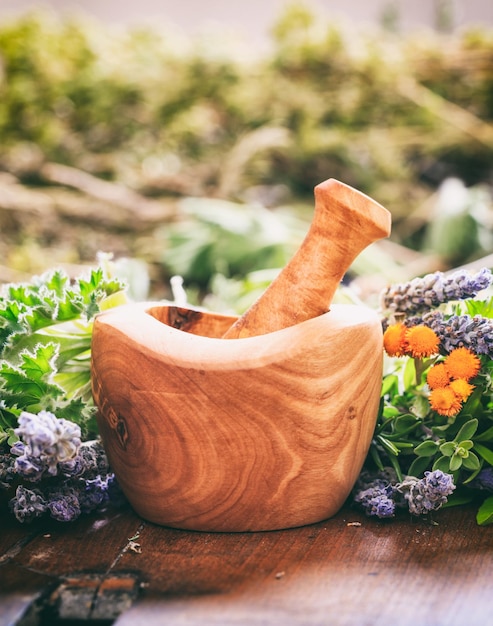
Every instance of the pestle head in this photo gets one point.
(345, 222)
(360, 212)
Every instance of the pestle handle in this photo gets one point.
(345, 222)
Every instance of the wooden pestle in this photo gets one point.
(345, 222)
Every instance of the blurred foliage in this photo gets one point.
(394, 116)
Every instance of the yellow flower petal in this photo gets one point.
(437, 376)
(462, 388)
(462, 363)
(445, 401)
(421, 341)
(394, 340)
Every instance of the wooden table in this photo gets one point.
(349, 570)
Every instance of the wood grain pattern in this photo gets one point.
(344, 223)
(246, 434)
(347, 571)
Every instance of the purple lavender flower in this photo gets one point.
(73, 467)
(45, 441)
(426, 494)
(457, 331)
(91, 461)
(428, 292)
(484, 480)
(94, 494)
(30, 468)
(7, 471)
(64, 505)
(375, 495)
(27, 504)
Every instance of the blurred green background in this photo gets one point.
(197, 156)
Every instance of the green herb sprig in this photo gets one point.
(45, 340)
(436, 412)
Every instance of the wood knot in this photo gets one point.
(351, 413)
(122, 432)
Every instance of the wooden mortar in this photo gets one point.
(218, 423)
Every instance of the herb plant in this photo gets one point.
(432, 445)
(436, 414)
(48, 437)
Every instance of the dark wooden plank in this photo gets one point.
(338, 572)
(91, 544)
(12, 534)
(349, 570)
(71, 564)
(20, 594)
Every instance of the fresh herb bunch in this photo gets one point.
(434, 434)
(49, 453)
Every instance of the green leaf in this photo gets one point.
(420, 406)
(484, 515)
(455, 462)
(467, 431)
(486, 436)
(57, 280)
(484, 452)
(443, 464)
(479, 307)
(388, 445)
(17, 388)
(389, 383)
(448, 448)
(8, 419)
(40, 364)
(390, 411)
(427, 448)
(419, 466)
(471, 462)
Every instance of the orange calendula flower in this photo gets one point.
(421, 341)
(437, 376)
(394, 340)
(462, 363)
(445, 401)
(462, 388)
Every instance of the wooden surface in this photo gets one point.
(259, 433)
(346, 571)
(344, 223)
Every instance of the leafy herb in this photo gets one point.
(45, 340)
(436, 412)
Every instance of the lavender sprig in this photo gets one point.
(72, 478)
(63, 504)
(27, 504)
(7, 470)
(376, 495)
(45, 441)
(456, 331)
(432, 290)
(380, 495)
(426, 494)
(65, 501)
(91, 461)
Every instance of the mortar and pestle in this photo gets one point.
(260, 422)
